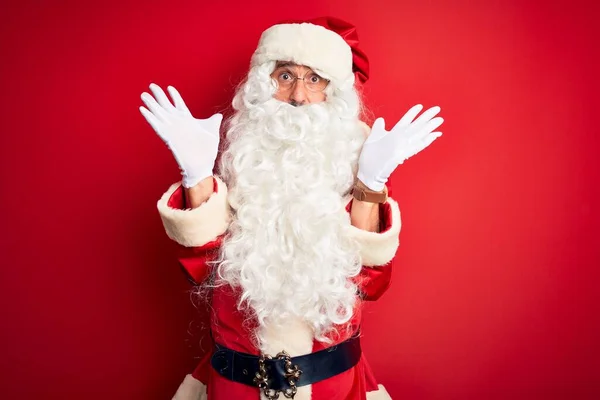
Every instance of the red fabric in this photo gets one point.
(202, 370)
(231, 327)
(360, 62)
(373, 281)
(193, 259)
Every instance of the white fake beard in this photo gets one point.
(288, 248)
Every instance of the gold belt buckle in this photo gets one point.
(292, 374)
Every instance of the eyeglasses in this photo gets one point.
(286, 80)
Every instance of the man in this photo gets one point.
(298, 230)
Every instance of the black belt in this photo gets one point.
(283, 373)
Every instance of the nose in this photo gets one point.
(299, 96)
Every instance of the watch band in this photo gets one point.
(361, 192)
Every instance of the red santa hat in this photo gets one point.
(326, 44)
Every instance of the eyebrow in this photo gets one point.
(281, 64)
(287, 64)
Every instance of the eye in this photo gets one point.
(314, 78)
(285, 76)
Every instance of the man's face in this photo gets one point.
(298, 85)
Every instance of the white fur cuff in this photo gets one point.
(307, 44)
(380, 394)
(379, 248)
(191, 389)
(198, 226)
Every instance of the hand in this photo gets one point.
(193, 142)
(384, 150)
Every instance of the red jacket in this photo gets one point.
(198, 234)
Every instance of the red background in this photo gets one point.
(494, 292)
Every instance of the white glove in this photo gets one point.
(194, 142)
(384, 150)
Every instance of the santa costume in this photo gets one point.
(286, 271)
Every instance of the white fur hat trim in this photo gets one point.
(306, 44)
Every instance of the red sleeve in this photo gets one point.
(193, 260)
(373, 281)
(370, 381)
(202, 370)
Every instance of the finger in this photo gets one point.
(425, 117)
(154, 107)
(430, 139)
(152, 120)
(379, 124)
(434, 124)
(429, 127)
(417, 147)
(410, 115)
(433, 136)
(214, 123)
(378, 131)
(177, 99)
(161, 97)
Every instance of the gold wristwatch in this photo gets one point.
(361, 192)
